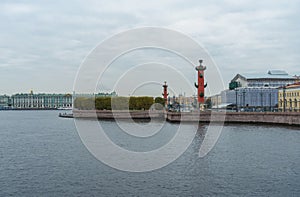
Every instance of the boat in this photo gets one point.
(64, 108)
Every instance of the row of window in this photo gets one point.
(39, 101)
(43, 99)
(296, 102)
(268, 83)
(290, 94)
(41, 106)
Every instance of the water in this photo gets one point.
(42, 155)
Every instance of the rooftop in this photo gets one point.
(295, 85)
(271, 74)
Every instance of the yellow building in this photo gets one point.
(289, 98)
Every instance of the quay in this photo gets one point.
(284, 118)
(119, 114)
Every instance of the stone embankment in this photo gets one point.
(287, 118)
(118, 114)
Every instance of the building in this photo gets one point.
(182, 103)
(41, 101)
(289, 98)
(216, 100)
(273, 78)
(91, 95)
(297, 78)
(256, 91)
(5, 102)
(252, 98)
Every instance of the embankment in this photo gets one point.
(118, 114)
(287, 118)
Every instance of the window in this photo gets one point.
(280, 103)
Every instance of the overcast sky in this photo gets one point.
(44, 42)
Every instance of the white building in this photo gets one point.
(5, 102)
(252, 97)
(256, 90)
(41, 101)
(273, 78)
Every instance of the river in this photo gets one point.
(42, 155)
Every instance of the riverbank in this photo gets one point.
(27, 109)
(119, 114)
(287, 118)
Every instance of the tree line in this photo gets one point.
(118, 103)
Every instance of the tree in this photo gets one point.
(160, 103)
(208, 103)
(116, 103)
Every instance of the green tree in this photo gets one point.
(120, 103)
(208, 103)
(160, 103)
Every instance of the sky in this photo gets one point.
(43, 43)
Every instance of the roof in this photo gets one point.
(271, 74)
(292, 86)
(277, 72)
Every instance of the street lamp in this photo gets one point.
(284, 97)
(261, 99)
(270, 101)
(236, 99)
(244, 92)
(217, 102)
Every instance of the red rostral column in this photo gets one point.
(200, 86)
(165, 94)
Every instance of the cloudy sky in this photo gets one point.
(43, 43)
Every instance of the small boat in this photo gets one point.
(64, 108)
(65, 115)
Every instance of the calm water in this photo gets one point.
(42, 155)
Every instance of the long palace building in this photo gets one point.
(41, 101)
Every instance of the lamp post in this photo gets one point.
(217, 102)
(236, 99)
(284, 97)
(270, 101)
(261, 99)
(244, 93)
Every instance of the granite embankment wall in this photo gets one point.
(288, 118)
(117, 114)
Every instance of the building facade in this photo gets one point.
(252, 98)
(256, 91)
(95, 95)
(5, 102)
(41, 101)
(289, 98)
(216, 100)
(273, 78)
(182, 103)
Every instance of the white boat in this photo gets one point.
(64, 108)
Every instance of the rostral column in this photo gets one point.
(200, 86)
